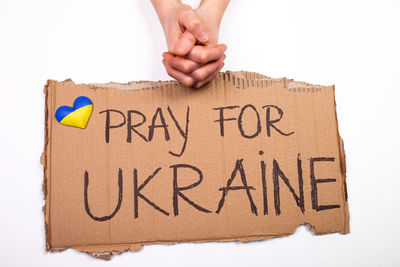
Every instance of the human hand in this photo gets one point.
(202, 63)
(182, 29)
(193, 56)
(200, 66)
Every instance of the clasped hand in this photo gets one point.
(194, 56)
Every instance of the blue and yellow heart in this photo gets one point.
(76, 116)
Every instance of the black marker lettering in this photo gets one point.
(240, 122)
(137, 194)
(108, 126)
(85, 196)
(270, 123)
(314, 182)
(184, 134)
(132, 127)
(162, 125)
(222, 119)
(276, 173)
(238, 168)
(264, 186)
(177, 191)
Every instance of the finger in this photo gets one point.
(172, 37)
(202, 73)
(178, 75)
(211, 77)
(191, 22)
(205, 54)
(184, 44)
(180, 63)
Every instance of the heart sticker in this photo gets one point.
(76, 116)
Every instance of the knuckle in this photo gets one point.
(195, 75)
(203, 58)
(187, 82)
(197, 85)
(189, 37)
(194, 24)
(186, 13)
(200, 56)
(185, 8)
(186, 67)
(199, 75)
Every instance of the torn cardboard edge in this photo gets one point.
(241, 80)
(105, 252)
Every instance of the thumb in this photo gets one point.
(193, 24)
(185, 44)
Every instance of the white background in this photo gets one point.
(352, 44)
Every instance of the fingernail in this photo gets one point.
(203, 36)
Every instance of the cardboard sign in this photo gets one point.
(244, 158)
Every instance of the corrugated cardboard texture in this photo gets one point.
(244, 158)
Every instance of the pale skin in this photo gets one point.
(194, 56)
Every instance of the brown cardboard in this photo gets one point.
(277, 157)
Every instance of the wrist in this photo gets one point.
(165, 8)
(214, 8)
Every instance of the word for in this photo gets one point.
(269, 122)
